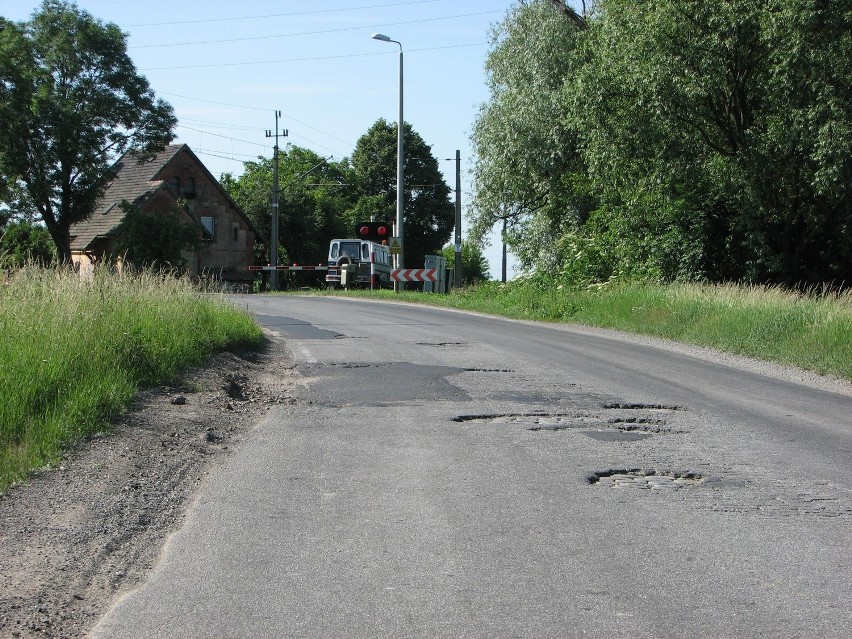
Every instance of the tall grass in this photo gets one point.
(811, 331)
(74, 351)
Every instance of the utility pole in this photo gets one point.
(458, 265)
(504, 246)
(273, 241)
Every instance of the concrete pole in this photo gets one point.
(504, 246)
(400, 178)
(399, 230)
(273, 240)
(458, 242)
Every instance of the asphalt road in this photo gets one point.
(454, 475)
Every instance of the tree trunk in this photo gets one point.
(61, 235)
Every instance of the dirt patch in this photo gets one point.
(75, 537)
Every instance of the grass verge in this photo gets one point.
(74, 352)
(813, 332)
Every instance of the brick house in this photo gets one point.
(175, 180)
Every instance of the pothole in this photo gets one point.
(534, 421)
(353, 365)
(614, 429)
(638, 406)
(641, 425)
(441, 344)
(564, 423)
(644, 479)
(488, 370)
(616, 435)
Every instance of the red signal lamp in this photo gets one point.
(373, 231)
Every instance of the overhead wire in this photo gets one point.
(311, 33)
(282, 15)
(346, 142)
(312, 59)
(314, 142)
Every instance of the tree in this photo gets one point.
(671, 139)
(474, 264)
(24, 242)
(71, 102)
(529, 165)
(429, 215)
(155, 239)
(314, 193)
(719, 134)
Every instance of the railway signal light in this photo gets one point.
(373, 231)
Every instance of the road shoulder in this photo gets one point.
(76, 537)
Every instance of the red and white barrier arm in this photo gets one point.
(290, 268)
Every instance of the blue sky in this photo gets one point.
(226, 67)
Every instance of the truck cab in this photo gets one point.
(371, 261)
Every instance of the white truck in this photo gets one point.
(370, 264)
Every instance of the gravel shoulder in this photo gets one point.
(77, 536)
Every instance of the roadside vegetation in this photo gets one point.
(812, 331)
(74, 352)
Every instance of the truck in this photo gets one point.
(371, 262)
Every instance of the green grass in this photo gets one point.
(74, 352)
(813, 332)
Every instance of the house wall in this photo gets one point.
(231, 251)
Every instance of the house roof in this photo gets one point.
(131, 181)
(135, 183)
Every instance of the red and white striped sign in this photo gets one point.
(414, 275)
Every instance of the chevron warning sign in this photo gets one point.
(414, 275)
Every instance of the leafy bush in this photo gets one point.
(23, 243)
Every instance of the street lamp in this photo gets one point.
(400, 183)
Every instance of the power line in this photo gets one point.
(223, 125)
(331, 57)
(301, 137)
(231, 154)
(265, 146)
(235, 106)
(310, 33)
(238, 106)
(281, 15)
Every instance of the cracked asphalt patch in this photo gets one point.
(355, 384)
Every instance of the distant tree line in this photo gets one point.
(321, 199)
(671, 139)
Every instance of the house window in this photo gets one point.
(189, 189)
(236, 234)
(174, 183)
(209, 223)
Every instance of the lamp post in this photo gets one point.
(400, 181)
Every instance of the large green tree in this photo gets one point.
(747, 109)
(672, 139)
(528, 166)
(724, 126)
(429, 215)
(71, 101)
(314, 193)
